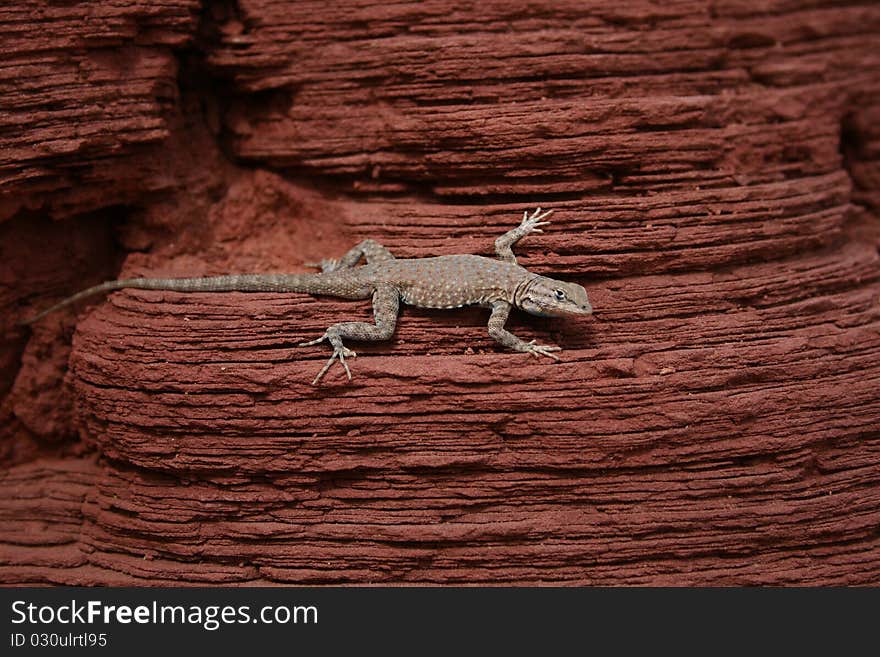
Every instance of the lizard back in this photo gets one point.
(448, 281)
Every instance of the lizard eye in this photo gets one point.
(560, 295)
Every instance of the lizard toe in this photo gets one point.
(538, 350)
(340, 354)
(313, 342)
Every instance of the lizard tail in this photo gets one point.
(233, 283)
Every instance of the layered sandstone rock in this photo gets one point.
(715, 171)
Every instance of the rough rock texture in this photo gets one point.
(715, 170)
(84, 86)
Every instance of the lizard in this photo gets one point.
(445, 282)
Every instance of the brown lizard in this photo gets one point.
(449, 281)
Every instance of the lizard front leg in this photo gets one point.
(386, 304)
(370, 250)
(497, 320)
(530, 224)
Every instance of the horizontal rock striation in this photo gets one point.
(714, 170)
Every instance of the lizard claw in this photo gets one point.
(340, 352)
(537, 350)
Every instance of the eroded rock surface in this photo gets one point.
(715, 172)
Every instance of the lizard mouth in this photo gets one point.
(576, 308)
(568, 310)
(585, 309)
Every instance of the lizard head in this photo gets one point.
(551, 298)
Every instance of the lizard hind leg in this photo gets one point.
(369, 250)
(386, 304)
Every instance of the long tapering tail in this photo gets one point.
(310, 283)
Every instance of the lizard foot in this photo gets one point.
(340, 353)
(326, 265)
(537, 350)
(531, 223)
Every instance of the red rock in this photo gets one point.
(714, 172)
(86, 95)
